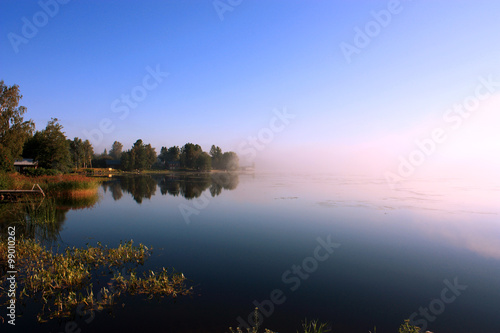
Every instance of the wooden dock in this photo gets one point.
(15, 195)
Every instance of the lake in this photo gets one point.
(353, 252)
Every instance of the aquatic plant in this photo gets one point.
(406, 327)
(314, 326)
(254, 328)
(63, 281)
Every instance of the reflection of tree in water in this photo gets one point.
(170, 185)
(226, 181)
(33, 219)
(192, 186)
(115, 188)
(189, 186)
(139, 186)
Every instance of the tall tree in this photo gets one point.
(230, 161)
(55, 152)
(173, 154)
(14, 131)
(77, 152)
(189, 154)
(116, 150)
(140, 157)
(204, 162)
(33, 146)
(88, 154)
(216, 154)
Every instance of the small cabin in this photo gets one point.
(24, 164)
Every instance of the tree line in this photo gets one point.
(52, 150)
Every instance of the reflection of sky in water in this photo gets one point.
(444, 210)
(397, 247)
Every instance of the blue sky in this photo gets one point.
(226, 76)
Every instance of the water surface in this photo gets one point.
(243, 239)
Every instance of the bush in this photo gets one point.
(5, 181)
(41, 172)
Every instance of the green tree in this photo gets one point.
(33, 146)
(173, 154)
(188, 155)
(204, 162)
(216, 154)
(140, 157)
(14, 131)
(125, 161)
(150, 155)
(116, 150)
(230, 161)
(88, 154)
(54, 152)
(76, 151)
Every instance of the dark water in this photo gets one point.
(349, 251)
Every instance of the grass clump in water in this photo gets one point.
(314, 326)
(62, 281)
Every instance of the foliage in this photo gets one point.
(81, 152)
(116, 150)
(204, 162)
(54, 185)
(32, 172)
(255, 328)
(406, 327)
(230, 161)
(33, 146)
(6, 181)
(216, 155)
(14, 131)
(6, 160)
(189, 155)
(315, 327)
(59, 279)
(140, 157)
(171, 154)
(76, 151)
(51, 149)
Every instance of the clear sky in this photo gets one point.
(360, 80)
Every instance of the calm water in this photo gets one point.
(260, 239)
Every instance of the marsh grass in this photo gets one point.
(63, 281)
(255, 328)
(406, 327)
(314, 326)
(49, 184)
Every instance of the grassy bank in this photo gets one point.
(72, 186)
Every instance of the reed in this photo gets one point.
(314, 326)
(50, 184)
(63, 281)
